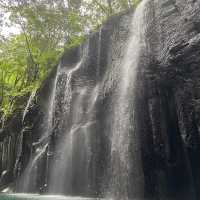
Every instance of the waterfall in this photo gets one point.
(119, 119)
(123, 128)
(74, 134)
(27, 181)
(28, 105)
(69, 171)
(30, 171)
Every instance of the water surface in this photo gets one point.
(40, 197)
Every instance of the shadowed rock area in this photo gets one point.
(119, 117)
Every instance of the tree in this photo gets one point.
(47, 28)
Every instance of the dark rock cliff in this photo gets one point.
(167, 106)
(174, 98)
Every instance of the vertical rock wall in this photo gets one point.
(167, 105)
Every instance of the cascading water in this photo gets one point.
(69, 171)
(123, 117)
(121, 121)
(62, 107)
(30, 100)
(29, 176)
(30, 171)
(72, 124)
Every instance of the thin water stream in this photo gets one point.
(123, 129)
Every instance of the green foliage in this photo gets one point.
(48, 27)
(18, 74)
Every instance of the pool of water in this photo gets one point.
(41, 197)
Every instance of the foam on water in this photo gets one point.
(24, 196)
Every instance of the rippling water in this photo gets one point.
(41, 197)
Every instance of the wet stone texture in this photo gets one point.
(167, 109)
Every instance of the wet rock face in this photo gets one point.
(167, 105)
(174, 97)
(101, 54)
(9, 149)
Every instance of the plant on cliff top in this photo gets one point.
(46, 28)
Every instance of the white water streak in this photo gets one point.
(123, 124)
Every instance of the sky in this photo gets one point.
(8, 30)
